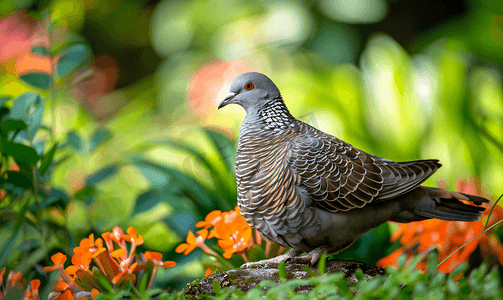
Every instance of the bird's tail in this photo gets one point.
(427, 203)
(450, 206)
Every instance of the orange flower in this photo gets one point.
(117, 234)
(58, 259)
(207, 272)
(62, 285)
(127, 274)
(211, 219)
(192, 242)
(32, 293)
(447, 237)
(132, 237)
(90, 245)
(235, 238)
(2, 273)
(80, 261)
(94, 293)
(233, 232)
(156, 258)
(67, 295)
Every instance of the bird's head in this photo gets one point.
(251, 90)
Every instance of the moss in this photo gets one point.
(233, 279)
(196, 282)
(289, 275)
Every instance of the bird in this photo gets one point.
(308, 190)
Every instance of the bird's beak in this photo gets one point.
(227, 100)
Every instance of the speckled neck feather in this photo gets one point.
(275, 115)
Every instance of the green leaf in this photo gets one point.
(282, 271)
(101, 279)
(18, 179)
(75, 55)
(29, 244)
(145, 278)
(159, 176)
(28, 107)
(216, 287)
(226, 191)
(31, 258)
(296, 282)
(74, 140)
(37, 79)
(309, 271)
(9, 125)
(256, 253)
(185, 214)
(98, 138)
(452, 287)
(438, 280)
(19, 152)
(4, 99)
(40, 50)
(47, 160)
(9, 245)
(459, 270)
(181, 221)
(267, 283)
(14, 293)
(52, 201)
(401, 261)
(225, 148)
(85, 193)
(359, 275)
(121, 295)
(102, 174)
(153, 173)
(322, 263)
(255, 293)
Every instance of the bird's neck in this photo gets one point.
(273, 115)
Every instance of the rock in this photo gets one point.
(246, 279)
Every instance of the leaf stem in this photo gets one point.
(53, 92)
(469, 242)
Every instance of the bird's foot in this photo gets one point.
(275, 260)
(310, 258)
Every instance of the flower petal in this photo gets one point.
(180, 248)
(118, 253)
(168, 264)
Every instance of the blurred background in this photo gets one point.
(403, 80)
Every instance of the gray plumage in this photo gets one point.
(308, 190)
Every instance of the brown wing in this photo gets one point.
(401, 177)
(341, 177)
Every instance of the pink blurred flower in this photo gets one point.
(210, 84)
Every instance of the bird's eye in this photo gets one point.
(249, 86)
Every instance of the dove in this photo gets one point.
(308, 190)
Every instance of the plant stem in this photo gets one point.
(53, 92)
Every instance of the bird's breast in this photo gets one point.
(268, 190)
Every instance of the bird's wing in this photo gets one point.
(340, 177)
(401, 177)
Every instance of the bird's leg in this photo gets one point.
(310, 258)
(275, 260)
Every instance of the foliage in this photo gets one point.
(403, 283)
(31, 210)
(191, 198)
(85, 144)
